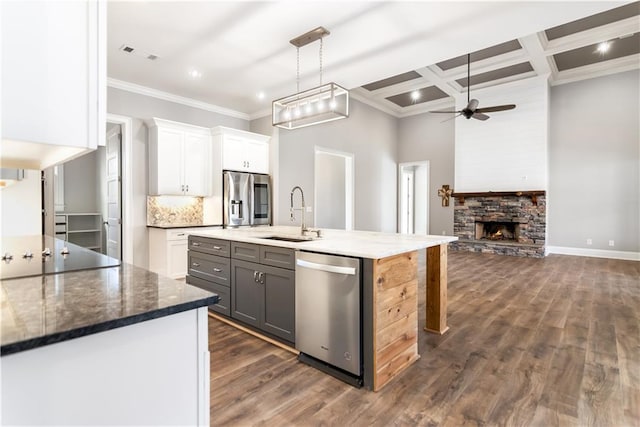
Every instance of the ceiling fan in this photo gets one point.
(472, 110)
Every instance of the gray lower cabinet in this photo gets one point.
(264, 297)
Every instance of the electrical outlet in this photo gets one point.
(612, 243)
(589, 241)
(444, 232)
(309, 209)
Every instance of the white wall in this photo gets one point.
(427, 137)
(509, 151)
(594, 167)
(368, 133)
(21, 206)
(81, 183)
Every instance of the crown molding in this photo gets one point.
(260, 114)
(166, 96)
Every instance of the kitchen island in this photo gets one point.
(111, 345)
(389, 287)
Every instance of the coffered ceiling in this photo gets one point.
(566, 52)
(224, 54)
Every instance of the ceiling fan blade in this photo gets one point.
(473, 105)
(444, 111)
(496, 108)
(451, 118)
(480, 116)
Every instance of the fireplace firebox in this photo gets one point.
(496, 230)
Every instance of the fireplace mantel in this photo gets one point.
(529, 193)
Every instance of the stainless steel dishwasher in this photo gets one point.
(328, 319)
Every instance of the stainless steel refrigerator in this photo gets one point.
(246, 199)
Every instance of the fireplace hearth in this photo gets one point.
(506, 223)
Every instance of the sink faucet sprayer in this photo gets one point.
(303, 227)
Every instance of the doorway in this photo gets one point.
(413, 198)
(99, 184)
(333, 189)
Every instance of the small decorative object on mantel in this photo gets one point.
(445, 192)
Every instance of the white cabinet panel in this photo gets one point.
(242, 151)
(197, 173)
(177, 262)
(168, 250)
(169, 151)
(179, 159)
(53, 80)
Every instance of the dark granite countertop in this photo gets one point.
(42, 310)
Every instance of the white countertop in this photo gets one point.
(362, 244)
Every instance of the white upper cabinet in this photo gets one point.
(242, 151)
(179, 159)
(53, 80)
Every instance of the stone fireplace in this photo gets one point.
(505, 223)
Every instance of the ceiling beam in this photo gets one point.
(433, 77)
(537, 56)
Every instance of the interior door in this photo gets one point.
(114, 196)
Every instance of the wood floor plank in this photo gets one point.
(535, 342)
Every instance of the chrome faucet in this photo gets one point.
(303, 227)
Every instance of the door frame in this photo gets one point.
(349, 171)
(426, 164)
(126, 124)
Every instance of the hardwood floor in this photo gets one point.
(544, 342)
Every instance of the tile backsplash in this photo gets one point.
(165, 211)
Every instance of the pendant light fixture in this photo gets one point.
(321, 104)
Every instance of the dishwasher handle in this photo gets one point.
(351, 271)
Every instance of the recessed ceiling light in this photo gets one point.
(415, 95)
(603, 47)
(195, 74)
(260, 95)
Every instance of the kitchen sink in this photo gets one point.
(287, 239)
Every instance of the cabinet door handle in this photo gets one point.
(216, 269)
(217, 248)
(187, 188)
(180, 234)
(255, 276)
(195, 264)
(195, 244)
(182, 188)
(261, 278)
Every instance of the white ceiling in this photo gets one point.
(242, 48)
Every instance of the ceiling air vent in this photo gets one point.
(132, 50)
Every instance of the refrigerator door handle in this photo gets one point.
(326, 267)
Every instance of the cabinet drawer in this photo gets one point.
(61, 219)
(245, 251)
(210, 267)
(61, 228)
(278, 257)
(177, 235)
(222, 306)
(209, 246)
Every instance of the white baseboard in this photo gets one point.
(596, 253)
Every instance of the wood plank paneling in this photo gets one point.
(395, 316)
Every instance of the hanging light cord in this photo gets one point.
(321, 61)
(298, 70)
